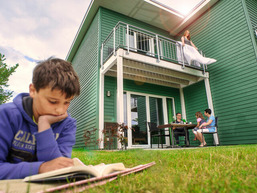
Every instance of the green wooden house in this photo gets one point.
(131, 70)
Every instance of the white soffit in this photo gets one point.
(164, 14)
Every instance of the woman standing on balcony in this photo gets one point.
(190, 51)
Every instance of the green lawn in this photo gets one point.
(210, 169)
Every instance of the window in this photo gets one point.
(141, 42)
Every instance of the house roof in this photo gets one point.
(148, 11)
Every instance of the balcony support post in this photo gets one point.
(102, 53)
(204, 65)
(158, 50)
(120, 108)
(114, 38)
(127, 39)
(165, 116)
(182, 101)
(182, 56)
(210, 104)
(101, 111)
(204, 68)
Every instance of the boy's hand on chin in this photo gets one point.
(45, 121)
(52, 118)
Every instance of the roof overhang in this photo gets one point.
(143, 10)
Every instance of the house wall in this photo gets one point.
(85, 107)
(223, 33)
(129, 85)
(110, 104)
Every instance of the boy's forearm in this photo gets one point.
(42, 126)
(47, 147)
(18, 170)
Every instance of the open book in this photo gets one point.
(82, 185)
(78, 171)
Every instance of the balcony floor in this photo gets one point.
(147, 69)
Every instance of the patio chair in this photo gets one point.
(216, 130)
(180, 133)
(156, 132)
(182, 139)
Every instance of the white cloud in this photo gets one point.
(37, 29)
(19, 81)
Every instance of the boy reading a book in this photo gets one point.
(36, 132)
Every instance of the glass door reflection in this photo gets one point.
(156, 114)
(138, 120)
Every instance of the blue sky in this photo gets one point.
(33, 30)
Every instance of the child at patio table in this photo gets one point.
(200, 120)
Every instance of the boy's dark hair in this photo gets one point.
(57, 74)
(177, 113)
(208, 111)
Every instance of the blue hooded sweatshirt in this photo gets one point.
(22, 148)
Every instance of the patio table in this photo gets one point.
(171, 125)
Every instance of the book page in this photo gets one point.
(77, 162)
(109, 168)
(64, 172)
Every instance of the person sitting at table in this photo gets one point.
(210, 127)
(179, 131)
(200, 120)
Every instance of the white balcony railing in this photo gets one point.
(144, 42)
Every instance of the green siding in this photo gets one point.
(110, 104)
(84, 108)
(129, 85)
(196, 100)
(223, 33)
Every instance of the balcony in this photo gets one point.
(140, 41)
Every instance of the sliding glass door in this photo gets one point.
(141, 108)
(156, 110)
(138, 120)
